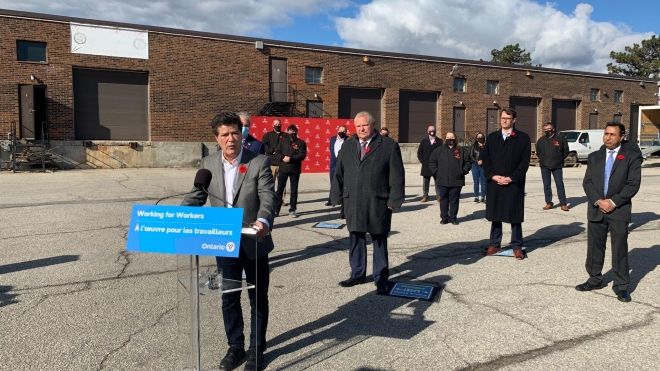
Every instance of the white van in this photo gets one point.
(582, 142)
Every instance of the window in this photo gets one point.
(618, 96)
(459, 85)
(31, 51)
(314, 108)
(584, 138)
(313, 75)
(595, 95)
(492, 87)
(617, 117)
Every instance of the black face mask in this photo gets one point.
(293, 135)
(481, 140)
(277, 128)
(342, 134)
(451, 142)
(431, 133)
(548, 133)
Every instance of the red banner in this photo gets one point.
(316, 132)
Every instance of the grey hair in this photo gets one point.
(370, 119)
(244, 116)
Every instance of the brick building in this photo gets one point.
(164, 85)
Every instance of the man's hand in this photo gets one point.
(501, 180)
(286, 159)
(261, 228)
(606, 206)
(479, 162)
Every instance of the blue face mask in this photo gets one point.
(245, 131)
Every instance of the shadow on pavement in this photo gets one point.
(639, 219)
(37, 263)
(6, 298)
(642, 261)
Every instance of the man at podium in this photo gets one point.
(242, 178)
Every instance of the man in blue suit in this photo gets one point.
(335, 145)
(249, 142)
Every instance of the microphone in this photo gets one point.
(202, 181)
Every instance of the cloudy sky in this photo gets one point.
(563, 34)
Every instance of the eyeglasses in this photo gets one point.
(506, 119)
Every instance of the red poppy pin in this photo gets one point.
(367, 150)
(294, 146)
(242, 169)
(457, 154)
(555, 142)
(513, 133)
(620, 157)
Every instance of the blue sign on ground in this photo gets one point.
(214, 231)
(412, 290)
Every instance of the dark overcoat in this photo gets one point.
(449, 165)
(424, 153)
(368, 187)
(509, 158)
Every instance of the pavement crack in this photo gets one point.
(105, 279)
(87, 286)
(124, 256)
(558, 346)
(62, 232)
(102, 365)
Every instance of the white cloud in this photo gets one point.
(235, 17)
(471, 28)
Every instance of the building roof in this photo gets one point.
(5, 13)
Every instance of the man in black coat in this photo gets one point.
(552, 149)
(292, 151)
(612, 179)
(369, 181)
(335, 145)
(426, 147)
(449, 163)
(505, 161)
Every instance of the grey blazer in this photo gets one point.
(253, 192)
(624, 183)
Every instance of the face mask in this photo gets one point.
(342, 134)
(451, 142)
(277, 128)
(431, 133)
(548, 134)
(481, 140)
(245, 131)
(293, 135)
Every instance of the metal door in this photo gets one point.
(634, 117)
(593, 121)
(417, 110)
(28, 128)
(491, 120)
(278, 80)
(459, 123)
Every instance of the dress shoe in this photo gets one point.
(381, 289)
(476, 199)
(564, 208)
(328, 203)
(255, 361)
(425, 199)
(234, 358)
(623, 296)
(519, 254)
(491, 250)
(352, 282)
(444, 221)
(548, 206)
(483, 200)
(454, 222)
(588, 286)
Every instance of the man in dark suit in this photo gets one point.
(552, 149)
(335, 145)
(426, 147)
(243, 178)
(370, 181)
(613, 177)
(292, 151)
(249, 142)
(505, 161)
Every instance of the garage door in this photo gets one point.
(110, 105)
(527, 110)
(416, 111)
(354, 100)
(564, 114)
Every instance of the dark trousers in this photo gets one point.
(449, 197)
(426, 184)
(558, 174)
(256, 272)
(293, 195)
(357, 256)
(479, 180)
(596, 240)
(496, 235)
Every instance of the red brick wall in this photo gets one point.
(192, 78)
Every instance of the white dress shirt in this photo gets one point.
(230, 172)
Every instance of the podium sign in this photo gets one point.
(188, 230)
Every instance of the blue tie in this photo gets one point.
(608, 169)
